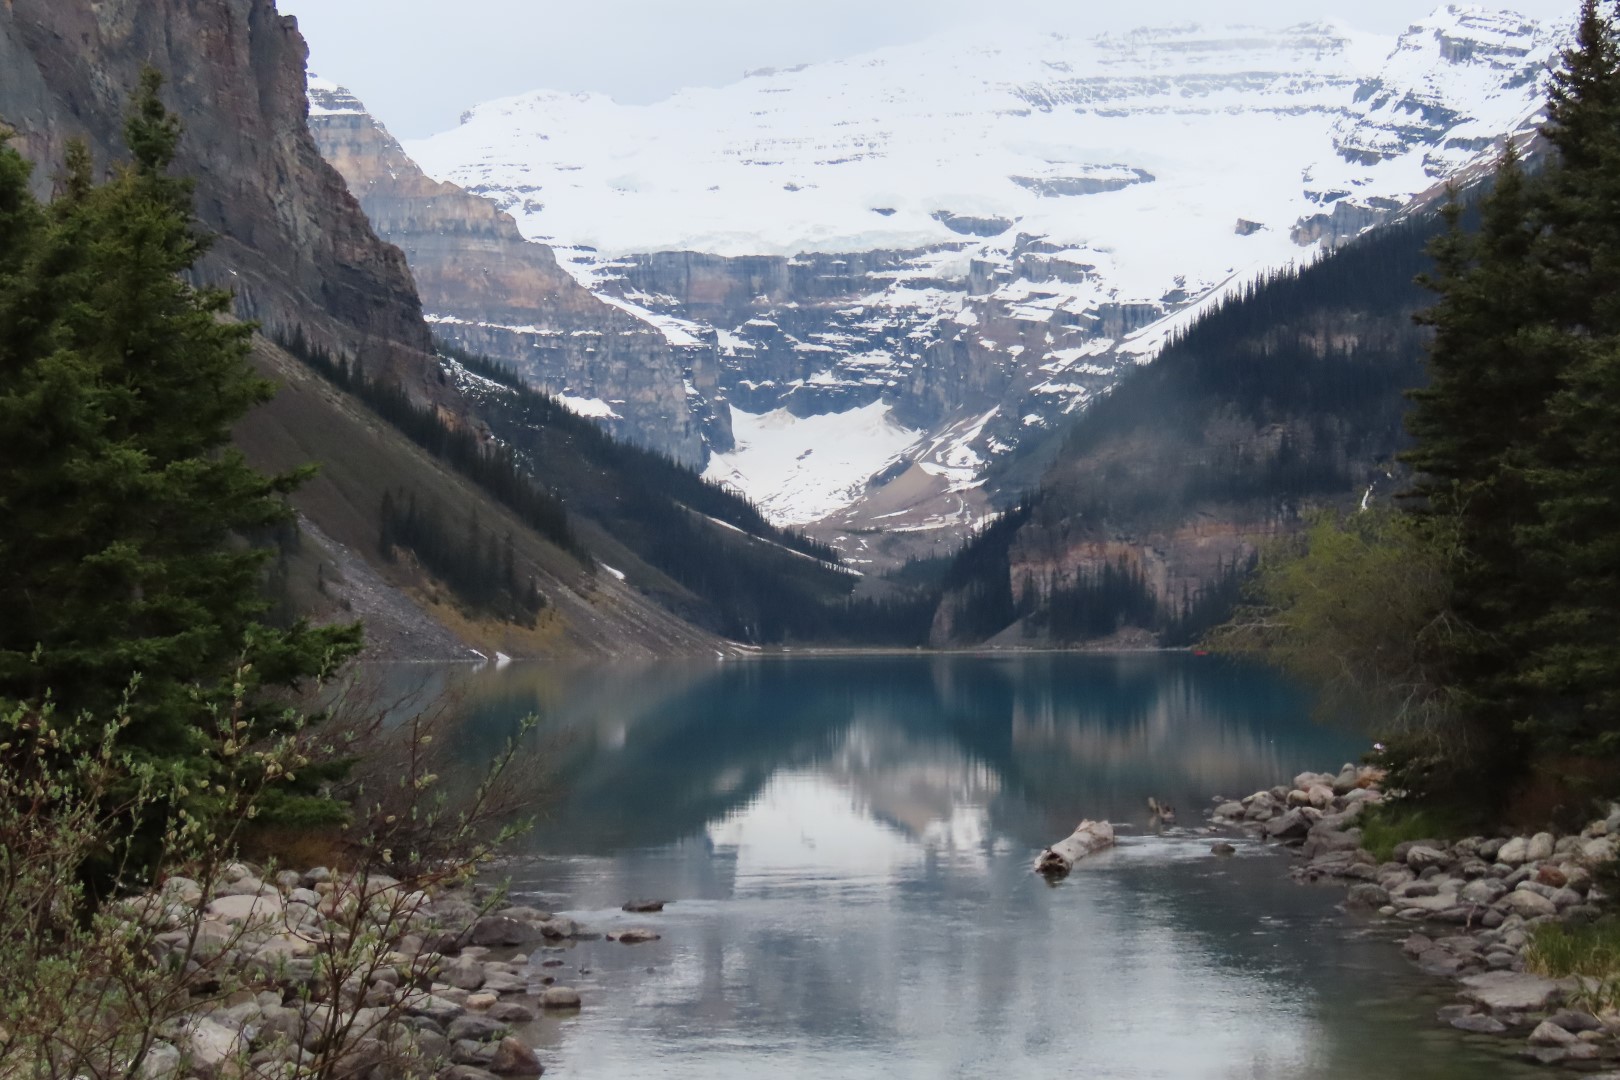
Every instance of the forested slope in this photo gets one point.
(1289, 395)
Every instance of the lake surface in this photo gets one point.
(848, 842)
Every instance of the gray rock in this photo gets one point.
(1221, 847)
(1366, 896)
(637, 936)
(162, 1062)
(1548, 1033)
(1346, 781)
(559, 927)
(500, 982)
(1527, 904)
(1230, 810)
(1488, 849)
(512, 1058)
(499, 930)
(1440, 962)
(1322, 841)
(440, 1010)
(472, 1052)
(1479, 1024)
(1540, 847)
(1416, 945)
(1515, 851)
(559, 997)
(463, 973)
(1290, 826)
(1485, 891)
(1575, 1020)
(511, 1012)
(1421, 858)
(1405, 847)
(644, 907)
(1566, 898)
(1508, 991)
(1416, 888)
(478, 1028)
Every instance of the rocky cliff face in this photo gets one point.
(489, 291)
(292, 243)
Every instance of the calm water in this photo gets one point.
(847, 844)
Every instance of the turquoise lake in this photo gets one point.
(846, 843)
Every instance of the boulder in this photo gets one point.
(1221, 847)
(511, 1012)
(559, 997)
(502, 982)
(1575, 1020)
(1422, 858)
(1366, 895)
(213, 1044)
(559, 927)
(246, 909)
(463, 973)
(1229, 810)
(162, 1062)
(1527, 904)
(637, 936)
(1485, 891)
(1548, 1033)
(644, 907)
(1479, 1024)
(1601, 850)
(1346, 781)
(1514, 852)
(477, 1027)
(1290, 826)
(1540, 847)
(1511, 991)
(499, 930)
(1320, 796)
(512, 1058)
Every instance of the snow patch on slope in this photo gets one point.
(800, 469)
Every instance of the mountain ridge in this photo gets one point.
(1039, 218)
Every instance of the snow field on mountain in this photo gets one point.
(800, 469)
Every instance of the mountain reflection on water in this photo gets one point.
(848, 842)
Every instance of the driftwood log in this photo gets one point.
(1088, 838)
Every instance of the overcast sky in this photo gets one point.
(418, 64)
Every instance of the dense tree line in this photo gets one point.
(1289, 390)
(662, 473)
(493, 467)
(479, 567)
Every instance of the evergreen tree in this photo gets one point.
(1575, 465)
(1494, 364)
(121, 503)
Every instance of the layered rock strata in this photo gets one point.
(491, 292)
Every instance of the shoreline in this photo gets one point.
(1473, 905)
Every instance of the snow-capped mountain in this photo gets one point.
(912, 259)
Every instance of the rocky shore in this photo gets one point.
(1474, 904)
(322, 973)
